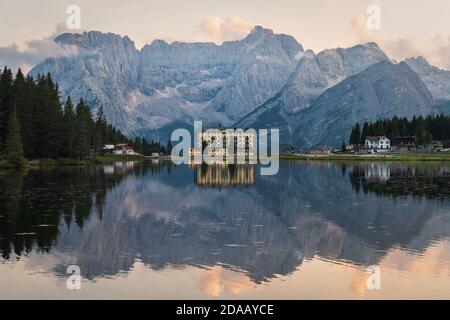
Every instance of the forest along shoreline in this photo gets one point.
(37, 129)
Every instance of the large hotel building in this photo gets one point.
(244, 142)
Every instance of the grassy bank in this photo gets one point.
(114, 157)
(43, 163)
(37, 163)
(385, 157)
(56, 162)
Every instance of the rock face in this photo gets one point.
(437, 80)
(164, 83)
(264, 80)
(383, 90)
(104, 73)
(312, 76)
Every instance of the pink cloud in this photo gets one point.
(435, 48)
(36, 51)
(218, 30)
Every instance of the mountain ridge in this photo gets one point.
(144, 92)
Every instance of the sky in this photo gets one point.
(407, 27)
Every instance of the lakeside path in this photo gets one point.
(435, 156)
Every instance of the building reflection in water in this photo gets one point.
(378, 172)
(224, 175)
(104, 221)
(401, 180)
(122, 167)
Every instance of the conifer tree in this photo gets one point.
(365, 132)
(13, 145)
(83, 132)
(100, 128)
(357, 135)
(23, 99)
(70, 126)
(6, 100)
(343, 147)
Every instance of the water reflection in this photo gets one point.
(107, 218)
(224, 175)
(432, 181)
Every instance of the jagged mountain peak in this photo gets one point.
(69, 38)
(266, 79)
(260, 30)
(420, 64)
(437, 80)
(158, 43)
(94, 39)
(383, 90)
(372, 45)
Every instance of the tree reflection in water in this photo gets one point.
(105, 217)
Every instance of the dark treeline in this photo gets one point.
(58, 198)
(68, 196)
(400, 181)
(424, 129)
(34, 124)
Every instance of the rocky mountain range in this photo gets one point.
(264, 80)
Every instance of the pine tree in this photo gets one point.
(69, 119)
(84, 129)
(6, 101)
(352, 136)
(13, 145)
(168, 149)
(100, 128)
(23, 99)
(343, 147)
(365, 132)
(357, 135)
(48, 119)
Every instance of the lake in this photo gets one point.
(152, 230)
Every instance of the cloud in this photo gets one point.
(435, 48)
(36, 51)
(217, 30)
(218, 280)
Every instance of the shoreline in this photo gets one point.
(65, 162)
(413, 157)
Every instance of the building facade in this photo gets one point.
(404, 143)
(378, 143)
(123, 149)
(226, 142)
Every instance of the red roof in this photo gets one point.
(123, 146)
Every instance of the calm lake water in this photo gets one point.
(157, 231)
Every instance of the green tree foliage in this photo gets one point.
(70, 128)
(83, 131)
(425, 129)
(100, 130)
(343, 147)
(48, 119)
(13, 144)
(48, 129)
(6, 101)
(355, 137)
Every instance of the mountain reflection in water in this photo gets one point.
(105, 218)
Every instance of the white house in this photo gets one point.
(378, 143)
(123, 149)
